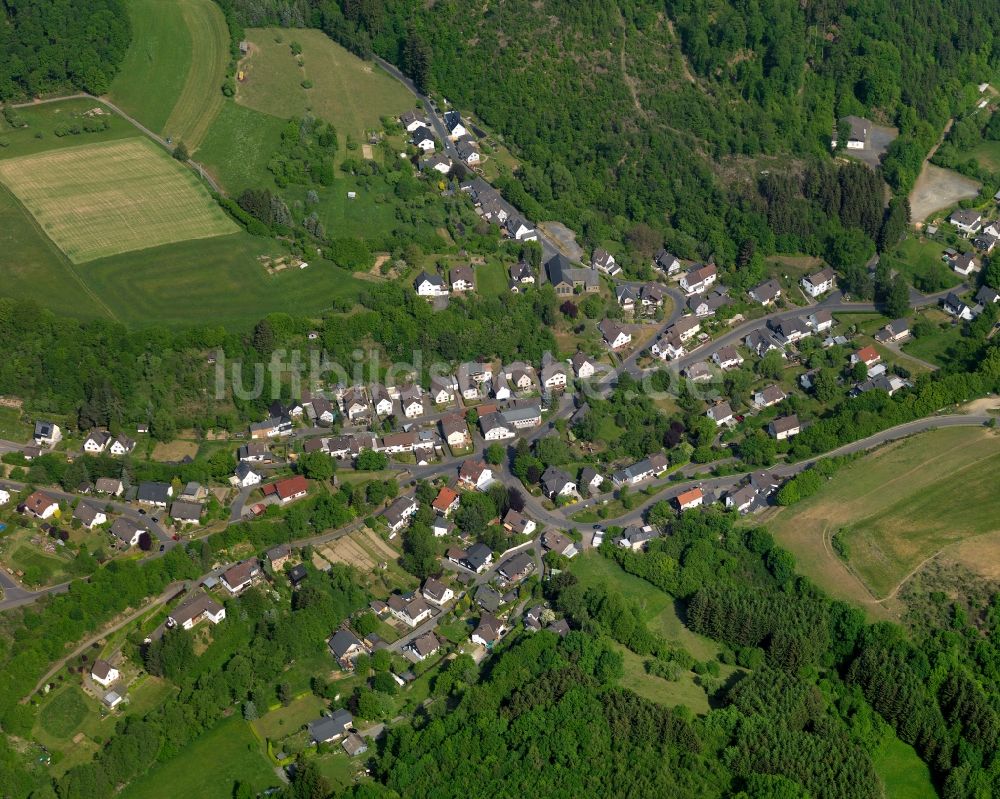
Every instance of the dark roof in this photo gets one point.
(516, 565)
(477, 556)
(154, 492)
(342, 641)
(487, 598)
(297, 574)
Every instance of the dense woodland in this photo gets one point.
(658, 113)
(50, 46)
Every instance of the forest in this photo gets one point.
(660, 116)
(48, 46)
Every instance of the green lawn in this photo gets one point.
(38, 567)
(491, 279)
(903, 773)
(339, 769)
(658, 608)
(894, 508)
(684, 691)
(12, 426)
(156, 66)
(987, 153)
(371, 214)
(39, 136)
(63, 714)
(350, 93)
(214, 281)
(239, 145)
(934, 348)
(919, 260)
(283, 721)
(209, 767)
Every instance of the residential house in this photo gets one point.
(985, 243)
(761, 342)
(246, 476)
(462, 278)
(446, 501)
(411, 401)
(89, 516)
(399, 513)
(47, 434)
(650, 467)
(721, 414)
(272, 427)
(522, 377)
(554, 541)
(583, 365)
(278, 556)
(410, 609)
(436, 592)
(477, 558)
(354, 745)
(444, 389)
(698, 372)
(345, 648)
(728, 358)
(566, 278)
(666, 262)
(651, 297)
(867, 355)
(186, 512)
(489, 630)
(987, 295)
(965, 264)
(41, 505)
(788, 331)
(297, 574)
(603, 261)
(122, 445)
(516, 567)
(288, 490)
(768, 396)
(894, 331)
(435, 162)
(626, 298)
(423, 139)
(411, 120)
(254, 452)
(690, 499)
(522, 273)
(556, 483)
(109, 485)
(668, 347)
(424, 646)
(820, 321)
(742, 499)
(857, 133)
(685, 328)
(517, 523)
(430, 285)
(590, 479)
(554, 375)
(195, 608)
(455, 431)
(453, 122)
(103, 673)
(766, 293)
(488, 599)
(96, 442)
(519, 230)
(327, 729)
(784, 427)
(126, 531)
(523, 416)
(764, 483)
(819, 283)
(495, 427)
(475, 474)
(699, 278)
(953, 306)
(967, 220)
(238, 578)
(637, 538)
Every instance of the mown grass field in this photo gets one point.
(42, 120)
(209, 767)
(172, 75)
(894, 509)
(215, 281)
(238, 146)
(920, 260)
(348, 92)
(97, 200)
(935, 348)
(157, 63)
(903, 773)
